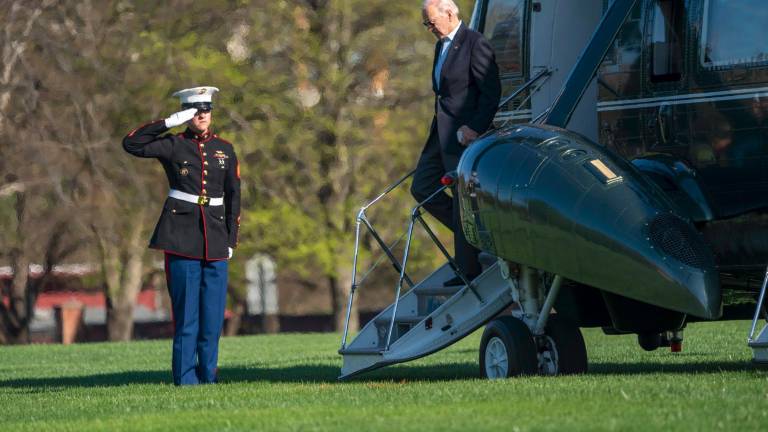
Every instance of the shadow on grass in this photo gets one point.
(648, 367)
(328, 374)
(237, 374)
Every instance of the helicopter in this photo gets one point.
(624, 186)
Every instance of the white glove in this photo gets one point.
(180, 117)
(231, 251)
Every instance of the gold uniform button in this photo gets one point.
(205, 154)
(205, 172)
(204, 192)
(173, 211)
(205, 182)
(205, 163)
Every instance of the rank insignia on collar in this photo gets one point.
(184, 171)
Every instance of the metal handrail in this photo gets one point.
(389, 189)
(542, 73)
(760, 301)
(416, 216)
(362, 219)
(540, 116)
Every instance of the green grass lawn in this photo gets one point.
(288, 382)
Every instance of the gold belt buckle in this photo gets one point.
(203, 200)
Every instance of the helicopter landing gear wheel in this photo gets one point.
(561, 349)
(507, 349)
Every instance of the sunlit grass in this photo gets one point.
(288, 382)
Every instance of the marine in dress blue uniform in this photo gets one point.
(197, 229)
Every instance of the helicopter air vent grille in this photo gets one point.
(677, 239)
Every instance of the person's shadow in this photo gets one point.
(323, 373)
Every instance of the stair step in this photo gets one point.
(361, 351)
(438, 290)
(486, 259)
(400, 320)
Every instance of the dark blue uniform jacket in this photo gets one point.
(198, 165)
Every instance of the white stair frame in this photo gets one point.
(759, 345)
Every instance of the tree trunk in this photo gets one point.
(120, 323)
(20, 309)
(123, 282)
(233, 325)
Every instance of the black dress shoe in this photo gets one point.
(457, 281)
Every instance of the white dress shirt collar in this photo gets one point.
(452, 34)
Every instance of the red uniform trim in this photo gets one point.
(131, 133)
(167, 252)
(206, 139)
(237, 174)
(223, 140)
(202, 188)
(177, 254)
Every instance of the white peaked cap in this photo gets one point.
(196, 94)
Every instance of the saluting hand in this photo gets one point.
(180, 117)
(466, 135)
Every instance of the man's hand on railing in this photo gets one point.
(465, 135)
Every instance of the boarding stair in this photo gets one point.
(759, 344)
(427, 316)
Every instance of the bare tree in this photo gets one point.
(62, 105)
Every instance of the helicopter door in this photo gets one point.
(560, 30)
(505, 24)
(665, 118)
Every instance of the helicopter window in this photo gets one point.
(504, 30)
(734, 34)
(666, 40)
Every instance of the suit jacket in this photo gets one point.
(198, 165)
(469, 90)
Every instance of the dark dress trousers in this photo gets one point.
(468, 94)
(198, 165)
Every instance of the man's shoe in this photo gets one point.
(457, 281)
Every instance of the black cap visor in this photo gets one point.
(200, 106)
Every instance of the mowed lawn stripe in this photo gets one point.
(288, 382)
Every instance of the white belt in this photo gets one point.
(195, 199)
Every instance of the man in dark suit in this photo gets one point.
(465, 79)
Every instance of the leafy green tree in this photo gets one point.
(326, 101)
(345, 113)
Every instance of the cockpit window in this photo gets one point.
(734, 33)
(667, 36)
(504, 30)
